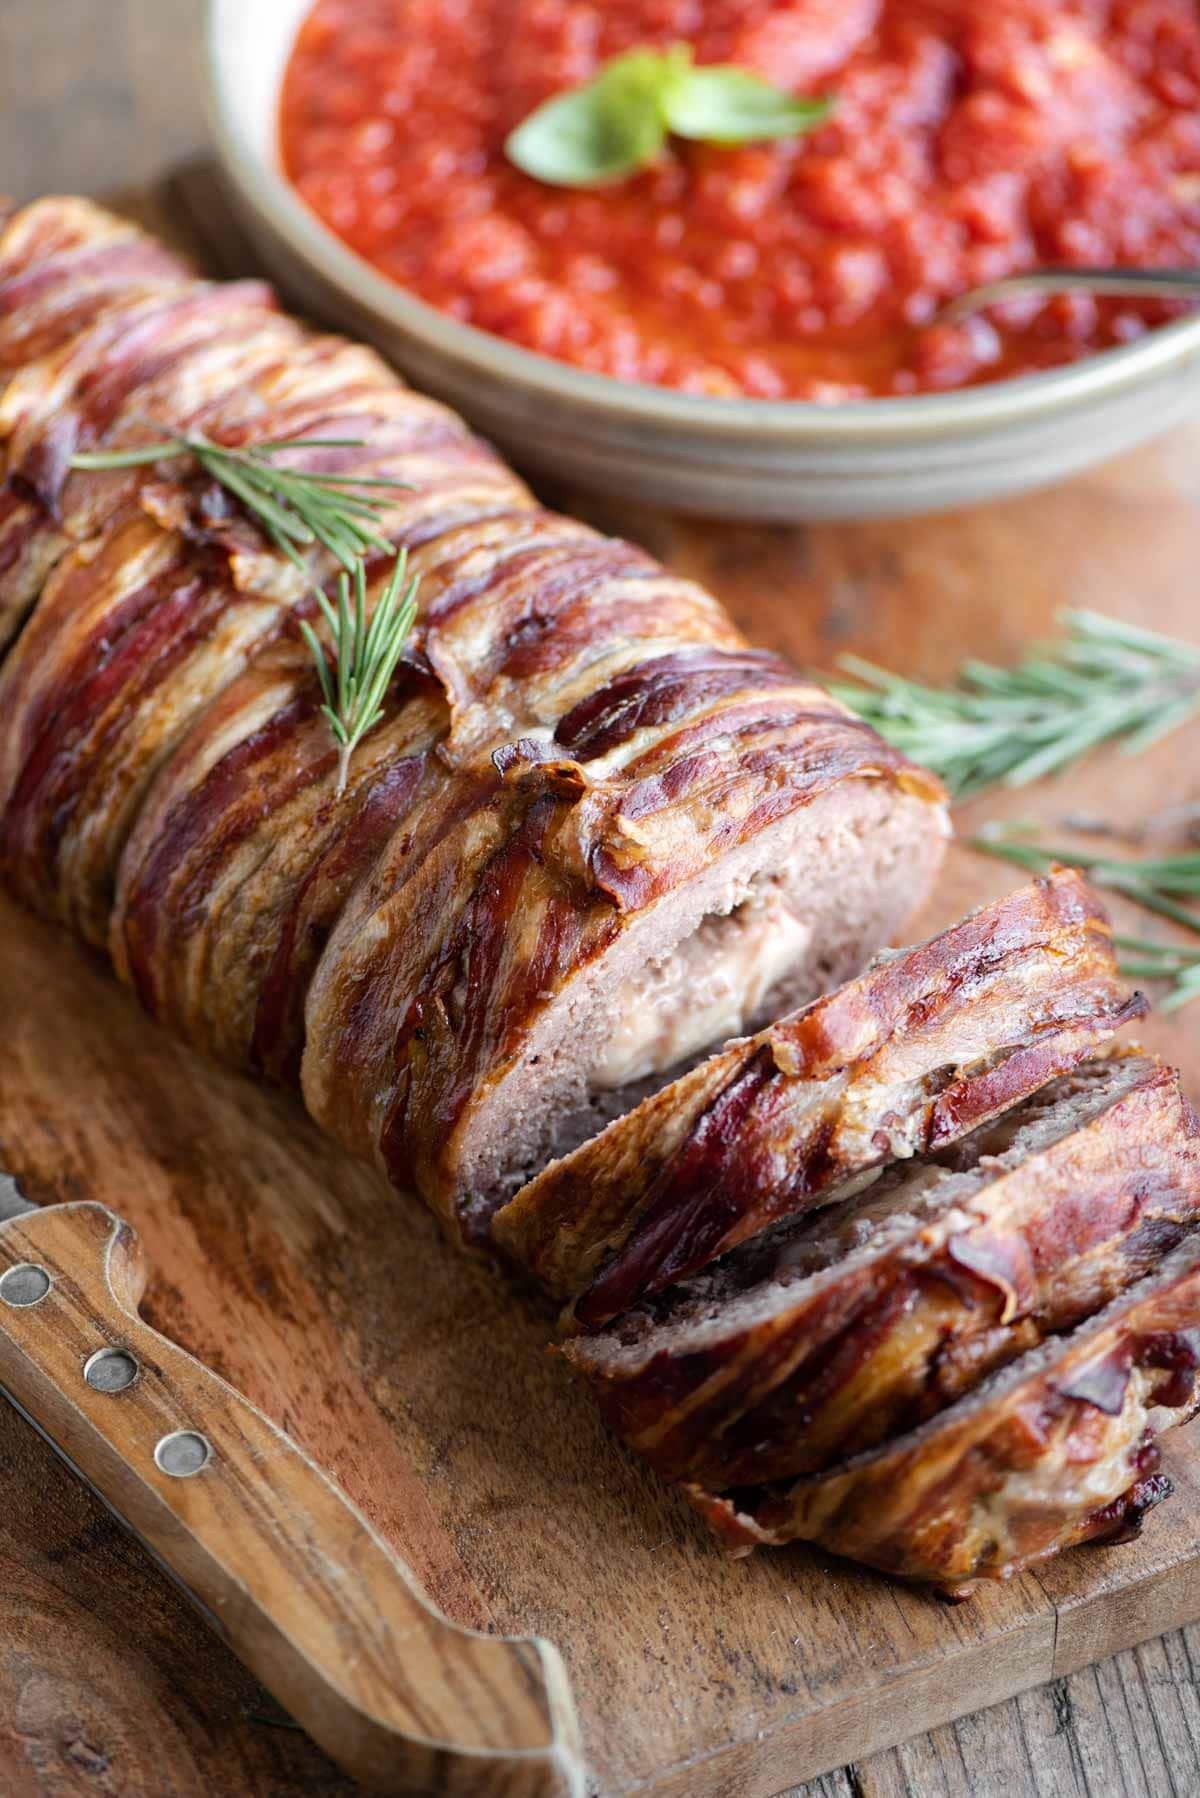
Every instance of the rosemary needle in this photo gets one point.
(294, 506)
(365, 653)
(1007, 726)
(1155, 883)
(1143, 959)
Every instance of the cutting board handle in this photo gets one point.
(314, 1602)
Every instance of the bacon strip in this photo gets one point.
(920, 1050)
(579, 760)
(1061, 1447)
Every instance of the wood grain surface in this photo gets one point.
(416, 1378)
(301, 1587)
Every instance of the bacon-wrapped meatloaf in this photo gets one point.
(846, 1278)
(916, 1052)
(594, 834)
(1060, 1447)
(826, 1337)
(837, 1379)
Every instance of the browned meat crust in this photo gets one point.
(1056, 1449)
(919, 1050)
(580, 761)
(815, 1345)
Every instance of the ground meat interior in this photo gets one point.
(775, 924)
(735, 973)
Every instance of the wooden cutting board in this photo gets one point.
(424, 1384)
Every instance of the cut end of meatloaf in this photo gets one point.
(758, 1280)
(904, 1060)
(799, 908)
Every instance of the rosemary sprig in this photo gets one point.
(293, 506)
(1008, 726)
(1143, 959)
(365, 654)
(1155, 883)
(296, 508)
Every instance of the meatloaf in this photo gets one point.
(901, 1261)
(1060, 1447)
(917, 1051)
(959, 1368)
(826, 1337)
(594, 834)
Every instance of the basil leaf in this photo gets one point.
(723, 104)
(596, 133)
(619, 122)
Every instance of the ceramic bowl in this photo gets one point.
(756, 459)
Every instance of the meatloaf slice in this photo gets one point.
(1059, 1447)
(822, 1339)
(923, 1047)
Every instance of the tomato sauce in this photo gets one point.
(971, 139)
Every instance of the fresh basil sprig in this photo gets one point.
(620, 121)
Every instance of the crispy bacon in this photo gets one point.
(1047, 1453)
(917, 1052)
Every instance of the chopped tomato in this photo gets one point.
(971, 139)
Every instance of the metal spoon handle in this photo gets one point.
(1138, 283)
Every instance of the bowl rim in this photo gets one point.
(899, 418)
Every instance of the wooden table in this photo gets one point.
(108, 1685)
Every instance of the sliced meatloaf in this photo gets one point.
(913, 1054)
(1059, 1447)
(825, 1338)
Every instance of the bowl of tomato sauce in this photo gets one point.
(751, 328)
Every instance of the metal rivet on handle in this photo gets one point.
(25, 1284)
(182, 1453)
(110, 1369)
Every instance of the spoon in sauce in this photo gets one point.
(1138, 283)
